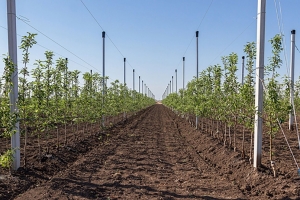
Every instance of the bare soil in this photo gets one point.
(154, 154)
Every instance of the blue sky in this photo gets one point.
(153, 35)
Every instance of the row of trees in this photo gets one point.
(51, 95)
(218, 98)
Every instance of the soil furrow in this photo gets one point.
(155, 155)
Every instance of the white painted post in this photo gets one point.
(133, 87)
(124, 71)
(139, 84)
(176, 79)
(168, 89)
(172, 85)
(12, 49)
(183, 72)
(259, 79)
(243, 69)
(124, 114)
(292, 68)
(197, 69)
(103, 75)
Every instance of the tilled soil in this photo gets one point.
(157, 155)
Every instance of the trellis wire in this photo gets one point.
(288, 144)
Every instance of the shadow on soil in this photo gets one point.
(95, 191)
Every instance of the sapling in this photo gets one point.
(8, 118)
(60, 91)
(87, 94)
(217, 95)
(65, 90)
(233, 93)
(26, 43)
(47, 87)
(225, 101)
(247, 94)
(275, 108)
(202, 93)
(230, 90)
(57, 89)
(74, 98)
(38, 97)
(208, 89)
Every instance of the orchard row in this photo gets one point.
(51, 95)
(218, 96)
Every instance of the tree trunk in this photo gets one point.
(229, 135)
(65, 133)
(243, 143)
(25, 141)
(225, 136)
(234, 136)
(57, 136)
(251, 144)
(39, 146)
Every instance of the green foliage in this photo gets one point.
(217, 95)
(8, 118)
(51, 94)
(6, 159)
(275, 61)
(26, 43)
(275, 105)
(247, 90)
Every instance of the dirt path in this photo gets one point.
(154, 155)
(148, 159)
